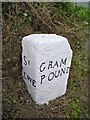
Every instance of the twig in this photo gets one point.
(9, 77)
(5, 78)
(9, 15)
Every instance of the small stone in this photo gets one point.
(21, 98)
(14, 101)
(25, 14)
(4, 90)
(51, 108)
(27, 101)
(14, 69)
(20, 84)
(8, 60)
(47, 103)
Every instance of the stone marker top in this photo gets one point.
(46, 61)
(39, 40)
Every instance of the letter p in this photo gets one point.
(42, 77)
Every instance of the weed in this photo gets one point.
(70, 8)
(78, 111)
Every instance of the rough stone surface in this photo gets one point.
(46, 61)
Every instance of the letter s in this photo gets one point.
(25, 61)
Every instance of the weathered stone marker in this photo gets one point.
(46, 61)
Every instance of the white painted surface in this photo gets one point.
(46, 59)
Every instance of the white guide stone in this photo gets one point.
(46, 61)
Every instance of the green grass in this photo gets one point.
(77, 110)
(78, 11)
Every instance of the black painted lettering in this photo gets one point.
(56, 64)
(28, 62)
(29, 79)
(63, 70)
(51, 76)
(33, 83)
(50, 64)
(24, 75)
(60, 73)
(57, 73)
(67, 71)
(63, 61)
(42, 77)
(42, 68)
(25, 60)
